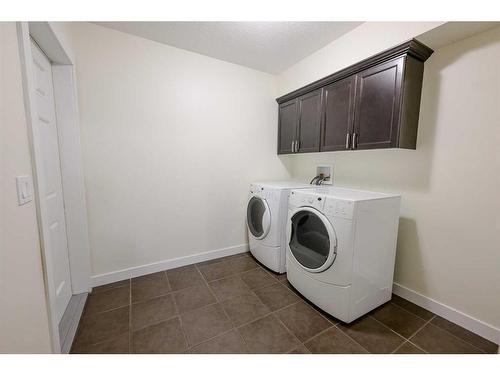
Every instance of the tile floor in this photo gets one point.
(234, 305)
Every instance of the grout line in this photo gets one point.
(432, 318)
(168, 281)
(459, 338)
(178, 316)
(408, 311)
(286, 328)
(352, 339)
(416, 332)
(221, 306)
(389, 328)
(399, 346)
(316, 335)
(299, 346)
(229, 275)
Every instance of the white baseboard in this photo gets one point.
(127, 273)
(466, 321)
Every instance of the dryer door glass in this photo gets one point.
(310, 241)
(255, 213)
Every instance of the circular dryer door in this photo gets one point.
(258, 217)
(313, 242)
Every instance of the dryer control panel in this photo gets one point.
(339, 208)
(300, 199)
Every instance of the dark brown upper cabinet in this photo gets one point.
(287, 127)
(377, 106)
(338, 115)
(372, 104)
(300, 124)
(309, 127)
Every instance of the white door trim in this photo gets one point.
(71, 165)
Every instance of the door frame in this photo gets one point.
(66, 108)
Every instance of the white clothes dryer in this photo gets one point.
(340, 248)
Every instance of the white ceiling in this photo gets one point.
(267, 46)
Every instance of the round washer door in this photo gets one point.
(312, 239)
(258, 217)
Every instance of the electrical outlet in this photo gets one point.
(24, 189)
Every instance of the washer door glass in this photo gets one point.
(258, 217)
(312, 241)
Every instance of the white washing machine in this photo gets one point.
(267, 210)
(341, 247)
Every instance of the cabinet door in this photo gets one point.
(287, 128)
(377, 106)
(309, 127)
(338, 112)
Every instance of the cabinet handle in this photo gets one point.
(347, 138)
(297, 146)
(293, 146)
(354, 140)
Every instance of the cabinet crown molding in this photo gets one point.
(412, 47)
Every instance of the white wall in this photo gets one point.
(171, 141)
(448, 245)
(24, 325)
(364, 41)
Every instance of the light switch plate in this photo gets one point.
(24, 189)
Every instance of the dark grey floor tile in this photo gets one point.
(215, 271)
(227, 343)
(229, 287)
(242, 264)
(408, 348)
(466, 335)
(149, 286)
(333, 341)
(164, 337)
(116, 284)
(302, 320)
(276, 296)
(244, 308)
(217, 260)
(193, 298)
(438, 341)
(184, 277)
(268, 335)
(398, 319)
(281, 277)
(257, 278)
(152, 311)
(411, 307)
(301, 349)
(372, 335)
(101, 327)
(205, 323)
(117, 345)
(287, 284)
(107, 300)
